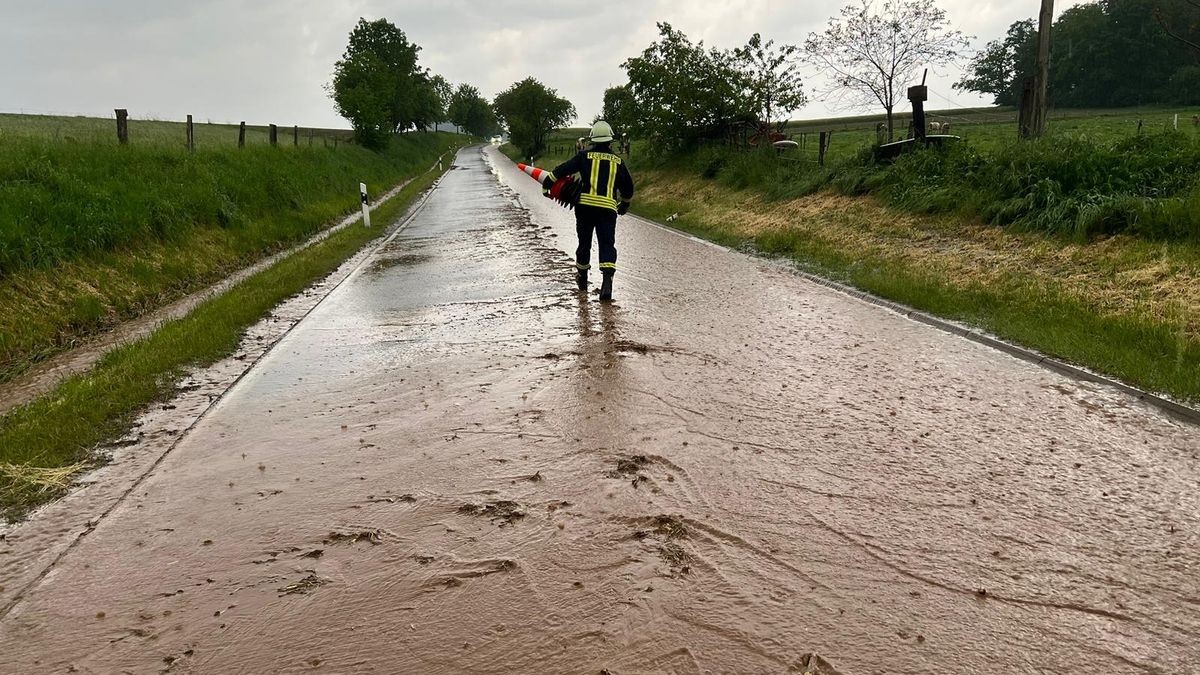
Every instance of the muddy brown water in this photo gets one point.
(455, 464)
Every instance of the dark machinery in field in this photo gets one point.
(920, 139)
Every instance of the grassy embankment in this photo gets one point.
(1084, 246)
(92, 234)
(154, 258)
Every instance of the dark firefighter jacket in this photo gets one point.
(606, 179)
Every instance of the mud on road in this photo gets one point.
(457, 464)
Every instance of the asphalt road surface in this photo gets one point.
(457, 464)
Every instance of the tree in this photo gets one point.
(429, 108)
(1002, 66)
(684, 92)
(444, 90)
(1180, 20)
(530, 111)
(619, 108)
(377, 84)
(434, 100)
(773, 84)
(1106, 54)
(871, 55)
(470, 111)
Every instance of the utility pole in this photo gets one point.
(1041, 77)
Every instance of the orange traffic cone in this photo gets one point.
(564, 190)
(538, 174)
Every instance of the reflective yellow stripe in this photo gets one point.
(582, 267)
(595, 196)
(608, 266)
(596, 200)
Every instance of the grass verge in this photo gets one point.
(94, 234)
(46, 441)
(1122, 305)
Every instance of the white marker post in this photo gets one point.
(366, 204)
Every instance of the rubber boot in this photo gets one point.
(581, 280)
(606, 286)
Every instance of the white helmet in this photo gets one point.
(601, 132)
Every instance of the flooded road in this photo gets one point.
(456, 464)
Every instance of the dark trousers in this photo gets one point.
(603, 222)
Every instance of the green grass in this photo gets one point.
(92, 233)
(988, 129)
(1093, 175)
(43, 442)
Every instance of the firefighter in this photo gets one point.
(607, 188)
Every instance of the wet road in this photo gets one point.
(456, 464)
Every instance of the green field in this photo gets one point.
(988, 129)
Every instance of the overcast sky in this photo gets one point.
(267, 60)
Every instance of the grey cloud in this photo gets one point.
(268, 60)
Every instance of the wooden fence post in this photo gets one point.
(274, 134)
(821, 149)
(191, 135)
(122, 126)
(295, 136)
(242, 135)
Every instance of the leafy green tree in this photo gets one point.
(1081, 62)
(530, 111)
(1001, 68)
(873, 53)
(1180, 19)
(377, 84)
(1141, 57)
(428, 108)
(1106, 54)
(470, 111)
(619, 108)
(684, 92)
(773, 83)
(1184, 86)
(443, 90)
(681, 93)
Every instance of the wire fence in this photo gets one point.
(190, 134)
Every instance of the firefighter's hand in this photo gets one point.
(547, 183)
(622, 208)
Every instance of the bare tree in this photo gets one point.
(872, 52)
